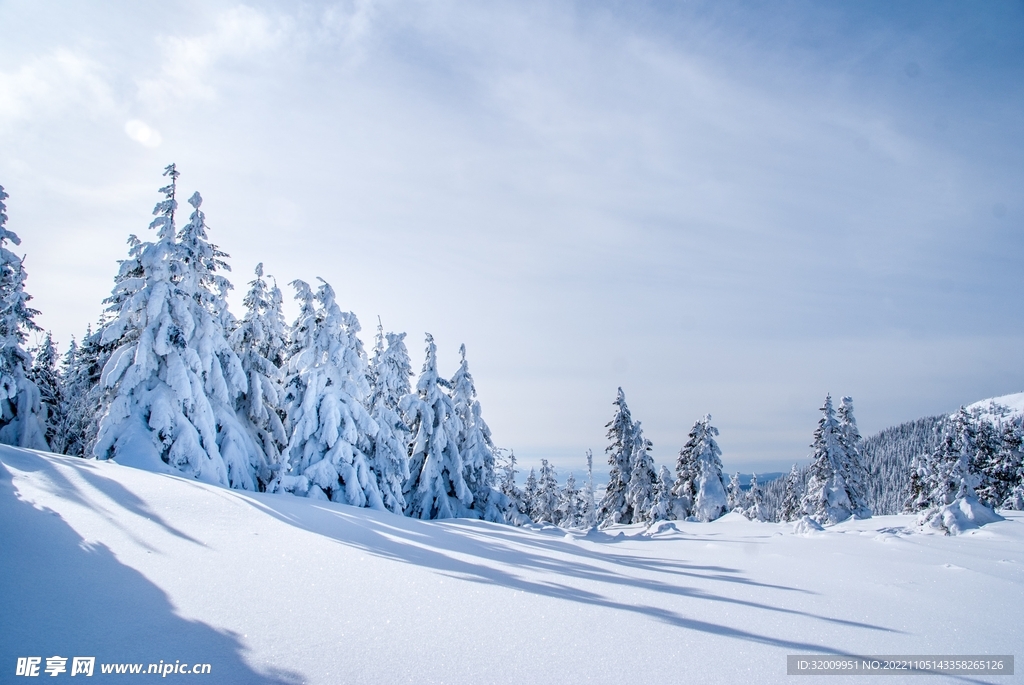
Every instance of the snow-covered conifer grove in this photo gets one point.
(170, 380)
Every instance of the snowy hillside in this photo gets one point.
(1000, 407)
(104, 560)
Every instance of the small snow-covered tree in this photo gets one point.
(507, 485)
(684, 489)
(754, 509)
(22, 414)
(530, 488)
(259, 341)
(710, 500)
(790, 509)
(735, 497)
(1013, 461)
(545, 508)
(661, 509)
(855, 476)
(615, 508)
(47, 377)
(475, 445)
(998, 460)
(437, 488)
(331, 431)
(568, 509)
(390, 370)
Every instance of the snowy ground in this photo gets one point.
(130, 566)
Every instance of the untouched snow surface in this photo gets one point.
(104, 560)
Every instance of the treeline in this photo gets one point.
(170, 380)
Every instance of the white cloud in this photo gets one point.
(52, 84)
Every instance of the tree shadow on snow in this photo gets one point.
(451, 548)
(65, 597)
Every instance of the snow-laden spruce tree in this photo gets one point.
(684, 489)
(47, 376)
(754, 507)
(827, 498)
(855, 476)
(259, 341)
(1013, 464)
(735, 497)
(507, 485)
(948, 479)
(545, 507)
(530, 494)
(475, 446)
(640, 493)
(661, 509)
(390, 370)
(436, 488)
(568, 510)
(790, 509)
(615, 508)
(710, 500)
(331, 431)
(998, 459)
(22, 415)
(172, 381)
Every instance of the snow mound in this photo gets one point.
(966, 513)
(806, 526)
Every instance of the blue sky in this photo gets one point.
(730, 208)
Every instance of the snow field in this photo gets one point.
(104, 560)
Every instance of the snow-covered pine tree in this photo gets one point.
(589, 509)
(172, 382)
(755, 501)
(684, 489)
(22, 415)
(735, 497)
(259, 341)
(827, 499)
(530, 494)
(507, 486)
(949, 479)
(390, 370)
(995, 460)
(711, 500)
(436, 488)
(568, 509)
(545, 508)
(661, 509)
(1013, 459)
(475, 445)
(643, 478)
(331, 431)
(855, 476)
(47, 377)
(790, 509)
(614, 505)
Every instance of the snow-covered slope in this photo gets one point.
(1000, 407)
(128, 566)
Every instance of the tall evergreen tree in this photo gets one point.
(390, 371)
(791, 510)
(661, 510)
(711, 500)
(545, 507)
(530, 489)
(615, 508)
(331, 431)
(589, 514)
(827, 498)
(640, 493)
(855, 476)
(475, 445)
(684, 489)
(22, 414)
(436, 487)
(507, 486)
(568, 510)
(47, 377)
(259, 341)
(172, 381)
